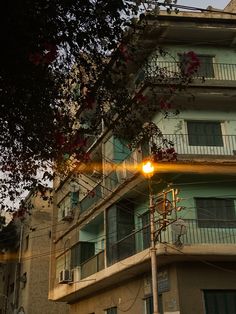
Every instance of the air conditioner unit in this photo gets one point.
(67, 215)
(65, 276)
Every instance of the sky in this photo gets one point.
(219, 4)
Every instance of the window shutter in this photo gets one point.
(215, 212)
(204, 133)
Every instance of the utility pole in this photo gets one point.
(153, 250)
(148, 170)
(164, 207)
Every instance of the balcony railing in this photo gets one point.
(93, 197)
(92, 265)
(158, 71)
(185, 144)
(197, 232)
(204, 232)
(123, 171)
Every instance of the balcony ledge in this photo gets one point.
(137, 264)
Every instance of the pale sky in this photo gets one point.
(219, 4)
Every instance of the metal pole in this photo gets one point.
(153, 251)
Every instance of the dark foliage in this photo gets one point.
(42, 93)
(9, 237)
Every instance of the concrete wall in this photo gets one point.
(231, 6)
(177, 124)
(221, 54)
(34, 256)
(194, 277)
(129, 296)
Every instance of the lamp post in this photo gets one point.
(148, 170)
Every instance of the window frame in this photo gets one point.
(110, 310)
(200, 72)
(205, 140)
(224, 294)
(214, 221)
(150, 309)
(67, 206)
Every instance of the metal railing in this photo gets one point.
(158, 71)
(197, 232)
(92, 265)
(91, 198)
(185, 144)
(122, 171)
(204, 231)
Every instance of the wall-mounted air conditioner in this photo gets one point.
(65, 276)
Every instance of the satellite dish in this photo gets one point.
(179, 227)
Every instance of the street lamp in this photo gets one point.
(148, 171)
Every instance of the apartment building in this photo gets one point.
(101, 217)
(25, 266)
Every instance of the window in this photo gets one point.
(111, 310)
(149, 305)
(66, 206)
(206, 68)
(81, 252)
(220, 301)
(215, 212)
(204, 133)
(62, 262)
(120, 241)
(26, 242)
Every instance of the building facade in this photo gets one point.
(25, 270)
(101, 219)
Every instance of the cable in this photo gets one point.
(198, 259)
(179, 6)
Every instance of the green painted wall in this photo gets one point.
(177, 124)
(194, 234)
(221, 54)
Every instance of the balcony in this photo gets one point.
(198, 232)
(120, 173)
(93, 265)
(91, 198)
(161, 72)
(204, 232)
(223, 146)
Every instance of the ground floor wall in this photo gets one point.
(196, 279)
(181, 285)
(131, 296)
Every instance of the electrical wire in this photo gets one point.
(199, 259)
(179, 6)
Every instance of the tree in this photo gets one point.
(43, 93)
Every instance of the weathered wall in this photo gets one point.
(193, 278)
(231, 6)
